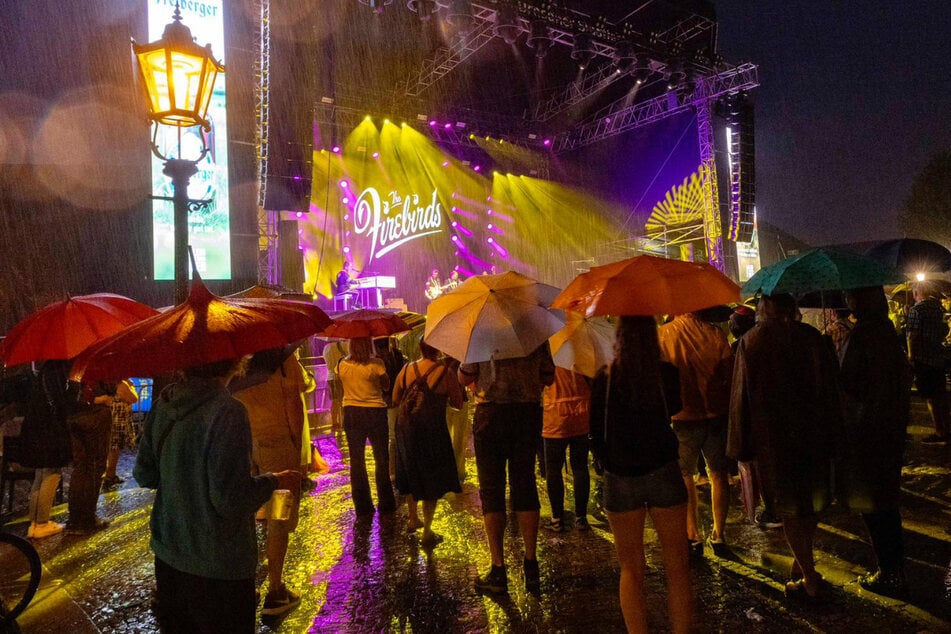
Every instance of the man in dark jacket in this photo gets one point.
(196, 452)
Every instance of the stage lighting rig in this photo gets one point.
(506, 24)
(675, 74)
(642, 70)
(424, 9)
(624, 57)
(539, 39)
(460, 17)
(582, 51)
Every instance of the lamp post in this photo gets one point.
(178, 77)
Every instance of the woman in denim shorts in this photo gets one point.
(632, 438)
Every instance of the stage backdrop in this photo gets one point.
(395, 204)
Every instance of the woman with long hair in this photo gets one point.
(631, 403)
(364, 381)
(425, 464)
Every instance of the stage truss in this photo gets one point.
(690, 41)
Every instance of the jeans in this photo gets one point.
(361, 424)
(554, 464)
(89, 432)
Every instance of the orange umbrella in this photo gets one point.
(648, 285)
(365, 323)
(203, 329)
(64, 329)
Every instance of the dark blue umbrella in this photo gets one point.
(912, 256)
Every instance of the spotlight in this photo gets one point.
(460, 16)
(423, 8)
(642, 70)
(377, 5)
(506, 24)
(335, 149)
(675, 74)
(583, 50)
(539, 39)
(624, 57)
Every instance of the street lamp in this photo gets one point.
(178, 77)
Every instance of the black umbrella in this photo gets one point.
(912, 256)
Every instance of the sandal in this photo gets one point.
(555, 525)
(796, 590)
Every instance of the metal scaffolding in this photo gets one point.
(269, 271)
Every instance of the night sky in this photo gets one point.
(854, 99)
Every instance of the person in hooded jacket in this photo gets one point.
(196, 452)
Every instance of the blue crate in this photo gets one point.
(143, 388)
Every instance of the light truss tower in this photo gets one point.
(268, 253)
(712, 226)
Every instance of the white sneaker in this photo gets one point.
(39, 531)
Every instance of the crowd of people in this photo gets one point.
(783, 402)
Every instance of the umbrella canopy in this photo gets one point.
(259, 291)
(64, 329)
(584, 345)
(492, 317)
(648, 285)
(365, 323)
(822, 269)
(911, 256)
(203, 329)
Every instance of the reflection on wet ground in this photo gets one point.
(373, 576)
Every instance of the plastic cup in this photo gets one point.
(280, 505)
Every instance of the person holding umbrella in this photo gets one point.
(364, 382)
(876, 388)
(631, 435)
(196, 451)
(506, 432)
(785, 412)
(926, 331)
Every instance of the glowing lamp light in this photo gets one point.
(546, 142)
(344, 184)
(178, 76)
(433, 123)
(300, 247)
(335, 149)
(300, 214)
(346, 216)
(448, 126)
(488, 226)
(445, 163)
(345, 201)
(347, 233)
(376, 155)
(477, 168)
(920, 277)
(490, 240)
(454, 223)
(455, 238)
(489, 212)
(386, 122)
(346, 249)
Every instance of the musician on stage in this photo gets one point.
(433, 285)
(454, 280)
(345, 282)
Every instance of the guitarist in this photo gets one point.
(433, 286)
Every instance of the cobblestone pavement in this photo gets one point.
(373, 576)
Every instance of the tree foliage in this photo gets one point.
(927, 212)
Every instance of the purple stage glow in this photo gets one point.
(335, 149)
(445, 163)
(465, 214)
(433, 124)
(346, 249)
(462, 229)
(546, 142)
(448, 126)
(345, 200)
(376, 155)
(344, 184)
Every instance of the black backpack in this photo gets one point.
(418, 397)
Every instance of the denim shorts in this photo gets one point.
(708, 436)
(662, 488)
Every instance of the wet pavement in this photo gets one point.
(374, 577)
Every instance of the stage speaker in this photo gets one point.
(288, 182)
(739, 116)
(292, 258)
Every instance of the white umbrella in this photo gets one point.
(584, 345)
(492, 317)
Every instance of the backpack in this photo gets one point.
(418, 397)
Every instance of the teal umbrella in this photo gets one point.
(820, 270)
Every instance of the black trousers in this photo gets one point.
(188, 604)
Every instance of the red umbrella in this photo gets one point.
(204, 329)
(64, 329)
(648, 285)
(365, 323)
